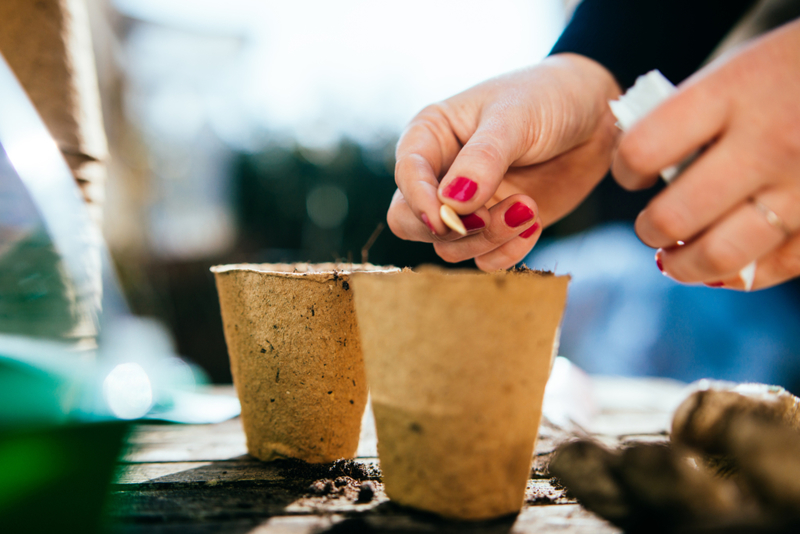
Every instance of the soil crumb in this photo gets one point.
(551, 492)
(366, 492)
(522, 268)
(344, 486)
(340, 468)
(357, 482)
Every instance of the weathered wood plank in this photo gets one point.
(198, 479)
(256, 491)
(210, 473)
(566, 519)
(164, 474)
(200, 503)
(223, 441)
(187, 443)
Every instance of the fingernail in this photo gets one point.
(472, 222)
(461, 189)
(659, 263)
(518, 214)
(428, 223)
(530, 231)
(715, 284)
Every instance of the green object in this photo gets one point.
(55, 479)
(36, 298)
(56, 458)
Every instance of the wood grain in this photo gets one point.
(198, 479)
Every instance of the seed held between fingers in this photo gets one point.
(451, 219)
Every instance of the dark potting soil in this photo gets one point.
(522, 268)
(342, 478)
(352, 490)
(298, 469)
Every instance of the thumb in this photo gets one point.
(480, 165)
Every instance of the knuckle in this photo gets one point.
(393, 219)
(786, 207)
(787, 262)
(405, 166)
(788, 142)
(484, 151)
(448, 252)
(634, 155)
(432, 111)
(483, 264)
(668, 222)
(435, 118)
(486, 264)
(722, 256)
(497, 235)
(499, 260)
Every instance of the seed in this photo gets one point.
(450, 218)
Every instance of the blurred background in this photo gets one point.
(264, 131)
(260, 131)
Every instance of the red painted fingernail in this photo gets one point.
(461, 189)
(530, 231)
(518, 214)
(715, 284)
(472, 222)
(428, 223)
(658, 262)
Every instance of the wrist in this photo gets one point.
(591, 72)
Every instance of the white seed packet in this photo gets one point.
(647, 93)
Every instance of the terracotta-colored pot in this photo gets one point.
(295, 357)
(457, 363)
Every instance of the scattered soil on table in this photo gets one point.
(348, 479)
(540, 466)
(298, 469)
(350, 489)
(554, 493)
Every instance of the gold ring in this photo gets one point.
(771, 217)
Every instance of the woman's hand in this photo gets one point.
(740, 201)
(543, 133)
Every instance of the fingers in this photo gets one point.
(744, 235)
(481, 164)
(428, 146)
(510, 253)
(513, 219)
(683, 124)
(405, 225)
(775, 268)
(720, 179)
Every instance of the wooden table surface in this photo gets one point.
(199, 478)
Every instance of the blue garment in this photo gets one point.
(624, 318)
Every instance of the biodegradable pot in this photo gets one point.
(457, 364)
(295, 357)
